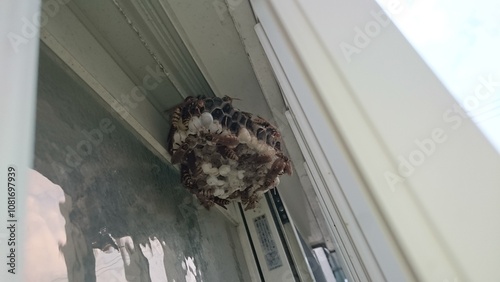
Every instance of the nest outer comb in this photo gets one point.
(224, 153)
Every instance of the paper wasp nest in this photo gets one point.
(225, 153)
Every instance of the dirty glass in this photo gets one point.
(103, 207)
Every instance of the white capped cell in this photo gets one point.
(206, 119)
(206, 167)
(177, 137)
(244, 136)
(218, 192)
(194, 124)
(224, 170)
(234, 183)
(214, 171)
(241, 174)
(212, 180)
(183, 135)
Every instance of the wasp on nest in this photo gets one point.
(224, 153)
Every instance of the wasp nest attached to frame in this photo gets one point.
(225, 153)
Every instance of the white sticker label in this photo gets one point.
(273, 259)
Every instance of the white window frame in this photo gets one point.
(305, 124)
(358, 114)
(18, 78)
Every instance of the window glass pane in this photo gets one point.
(460, 41)
(126, 213)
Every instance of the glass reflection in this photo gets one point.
(45, 230)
